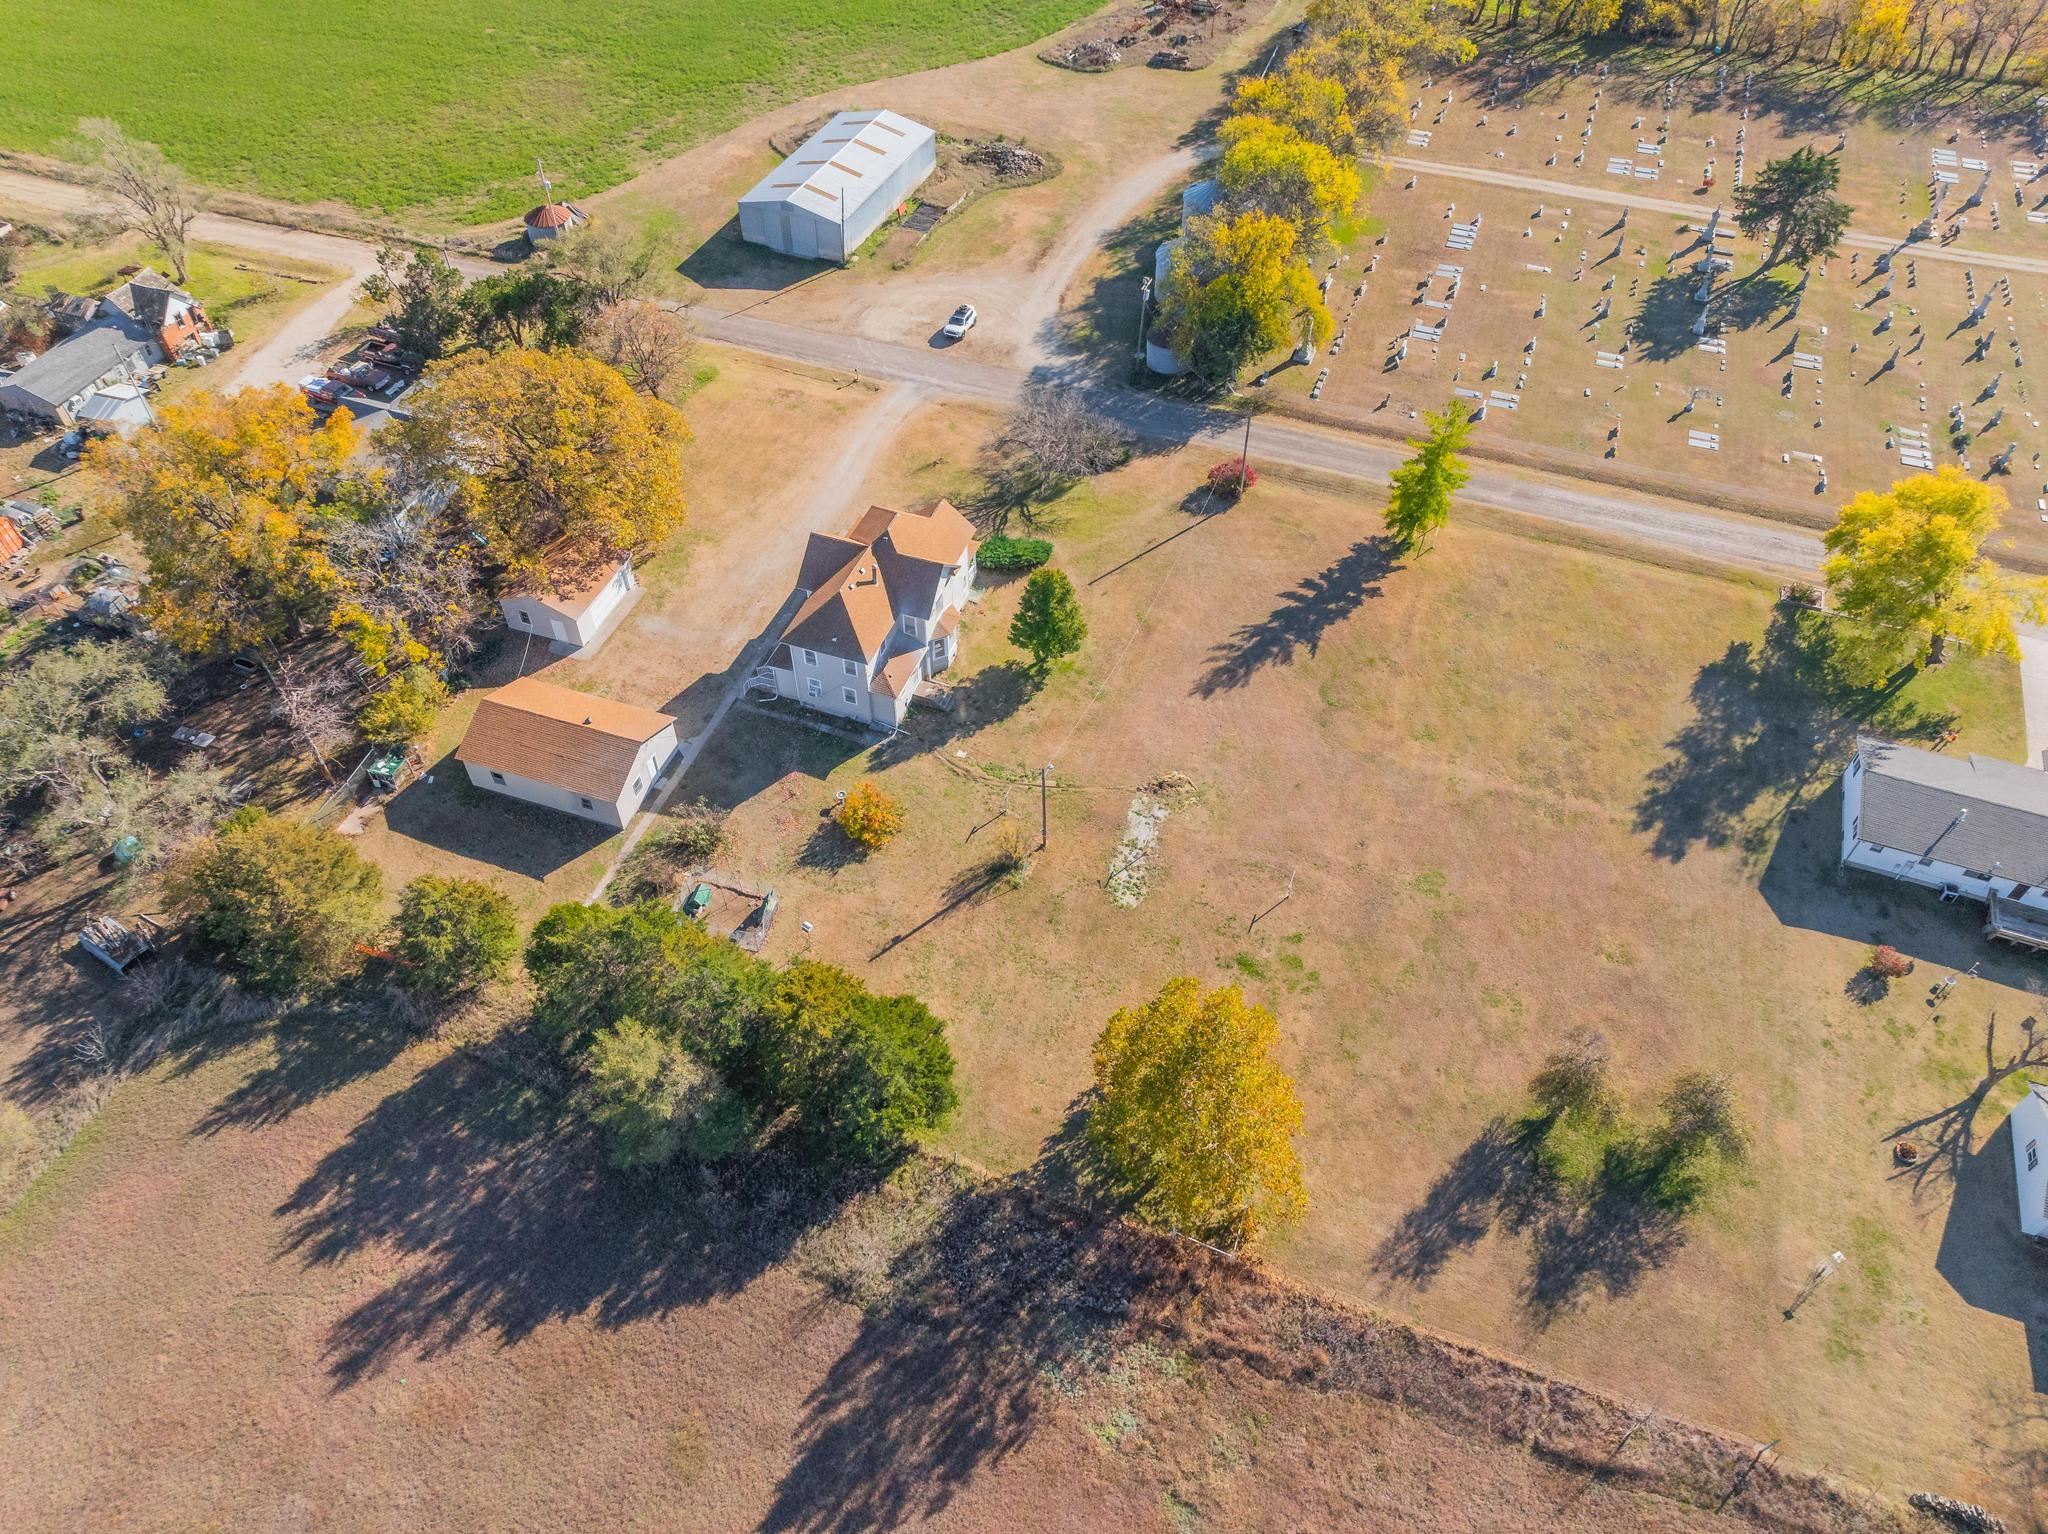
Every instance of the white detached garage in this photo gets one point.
(826, 199)
(568, 750)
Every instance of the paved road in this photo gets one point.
(2034, 692)
(957, 371)
(1580, 191)
(961, 372)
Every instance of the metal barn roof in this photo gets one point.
(851, 155)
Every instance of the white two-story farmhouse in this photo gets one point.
(1970, 827)
(880, 613)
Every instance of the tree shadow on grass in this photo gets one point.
(988, 697)
(316, 1050)
(1769, 720)
(1304, 615)
(1664, 318)
(947, 1378)
(1493, 1182)
(495, 1199)
(1607, 1236)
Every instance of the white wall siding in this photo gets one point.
(2030, 1136)
(654, 756)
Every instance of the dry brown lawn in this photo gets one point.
(1507, 789)
(304, 1280)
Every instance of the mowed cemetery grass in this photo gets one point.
(1437, 813)
(445, 109)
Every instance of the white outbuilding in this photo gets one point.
(837, 189)
(571, 751)
(578, 620)
(2030, 1159)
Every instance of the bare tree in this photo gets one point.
(410, 569)
(650, 345)
(1059, 438)
(611, 263)
(153, 195)
(313, 701)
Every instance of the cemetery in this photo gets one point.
(1560, 253)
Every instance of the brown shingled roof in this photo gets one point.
(898, 673)
(888, 562)
(572, 740)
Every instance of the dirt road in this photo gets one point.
(281, 358)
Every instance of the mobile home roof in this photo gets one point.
(852, 154)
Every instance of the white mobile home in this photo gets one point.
(578, 620)
(2030, 1159)
(827, 198)
(568, 750)
(1970, 828)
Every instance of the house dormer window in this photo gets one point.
(909, 625)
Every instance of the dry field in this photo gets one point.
(308, 1280)
(1509, 790)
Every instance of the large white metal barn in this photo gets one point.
(836, 190)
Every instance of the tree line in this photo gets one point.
(1966, 39)
(1242, 283)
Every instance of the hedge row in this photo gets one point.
(1000, 553)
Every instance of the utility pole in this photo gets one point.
(1144, 308)
(1244, 458)
(1044, 815)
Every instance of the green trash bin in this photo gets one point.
(697, 902)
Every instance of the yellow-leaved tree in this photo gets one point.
(1269, 166)
(224, 497)
(1907, 565)
(1313, 105)
(552, 457)
(1196, 1115)
(1239, 288)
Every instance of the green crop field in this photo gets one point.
(443, 108)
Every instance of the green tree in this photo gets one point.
(63, 718)
(651, 1099)
(1794, 198)
(1049, 622)
(1700, 1139)
(422, 298)
(867, 1074)
(404, 710)
(1196, 1115)
(454, 934)
(534, 307)
(1424, 485)
(1905, 564)
(281, 902)
(1238, 289)
(593, 965)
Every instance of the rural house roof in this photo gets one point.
(888, 564)
(146, 298)
(843, 163)
(71, 367)
(574, 602)
(572, 740)
(1972, 812)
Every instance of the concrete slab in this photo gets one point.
(2034, 692)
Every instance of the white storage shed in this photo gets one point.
(826, 199)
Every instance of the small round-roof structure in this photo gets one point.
(552, 220)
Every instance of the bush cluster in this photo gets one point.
(688, 1045)
(1006, 553)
